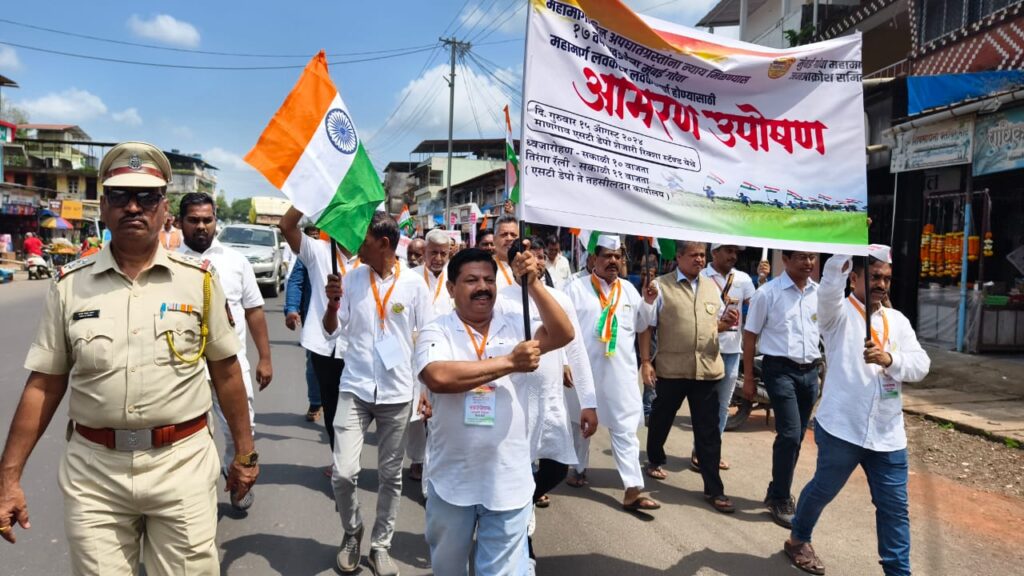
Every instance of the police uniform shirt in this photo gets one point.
(108, 333)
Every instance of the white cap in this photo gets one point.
(880, 252)
(609, 241)
(717, 246)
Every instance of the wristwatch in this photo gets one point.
(247, 460)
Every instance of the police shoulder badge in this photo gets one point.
(397, 308)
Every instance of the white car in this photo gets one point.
(262, 246)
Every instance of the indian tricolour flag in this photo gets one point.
(405, 221)
(311, 151)
(771, 190)
(716, 178)
(792, 194)
(511, 163)
(748, 187)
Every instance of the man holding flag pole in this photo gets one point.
(313, 154)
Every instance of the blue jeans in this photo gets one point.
(501, 548)
(793, 393)
(648, 399)
(312, 387)
(887, 479)
(725, 388)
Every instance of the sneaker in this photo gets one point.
(381, 563)
(782, 511)
(350, 552)
(245, 502)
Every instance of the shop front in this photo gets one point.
(965, 167)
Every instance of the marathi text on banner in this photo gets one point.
(639, 126)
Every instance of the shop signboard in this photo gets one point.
(71, 210)
(999, 142)
(946, 143)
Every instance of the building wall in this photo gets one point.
(764, 27)
(996, 42)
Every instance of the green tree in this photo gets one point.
(224, 211)
(240, 209)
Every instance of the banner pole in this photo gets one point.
(334, 257)
(522, 284)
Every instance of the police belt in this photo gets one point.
(142, 439)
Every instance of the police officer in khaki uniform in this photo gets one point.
(130, 331)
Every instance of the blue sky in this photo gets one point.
(220, 113)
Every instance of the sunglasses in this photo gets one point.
(145, 199)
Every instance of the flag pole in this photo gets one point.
(643, 267)
(867, 301)
(334, 256)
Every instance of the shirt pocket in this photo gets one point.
(626, 317)
(92, 344)
(181, 330)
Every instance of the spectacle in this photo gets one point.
(146, 199)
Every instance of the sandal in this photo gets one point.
(640, 504)
(721, 503)
(542, 502)
(723, 465)
(803, 557)
(578, 480)
(313, 414)
(694, 463)
(656, 472)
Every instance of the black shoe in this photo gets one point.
(782, 511)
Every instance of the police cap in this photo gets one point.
(135, 164)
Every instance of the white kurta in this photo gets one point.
(547, 415)
(619, 405)
(440, 301)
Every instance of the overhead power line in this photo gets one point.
(201, 67)
(195, 51)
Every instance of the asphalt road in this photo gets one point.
(293, 528)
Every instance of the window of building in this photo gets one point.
(940, 17)
(437, 178)
(72, 184)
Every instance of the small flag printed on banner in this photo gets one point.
(771, 190)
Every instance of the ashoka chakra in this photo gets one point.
(341, 131)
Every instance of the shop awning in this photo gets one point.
(929, 92)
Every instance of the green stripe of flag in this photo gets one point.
(347, 216)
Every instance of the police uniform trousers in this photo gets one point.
(169, 494)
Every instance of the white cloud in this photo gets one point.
(72, 106)
(128, 116)
(479, 100)
(9, 59)
(166, 29)
(225, 159)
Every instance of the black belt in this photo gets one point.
(791, 364)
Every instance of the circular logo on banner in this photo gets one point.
(341, 131)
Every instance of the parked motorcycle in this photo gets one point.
(740, 408)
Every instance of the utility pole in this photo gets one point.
(454, 45)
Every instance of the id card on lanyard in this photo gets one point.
(388, 347)
(888, 387)
(481, 402)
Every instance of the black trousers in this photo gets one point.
(707, 443)
(549, 474)
(328, 377)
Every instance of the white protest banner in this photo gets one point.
(639, 126)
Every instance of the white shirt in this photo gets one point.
(548, 411)
(853, 407)
(316, 257)
(437, 292)
(406, 311)
(504, 278)
(742, 289)
(619, 405)
(660, 302)
(559, 270)
(786, 318)
(487, 466)
(239, 283)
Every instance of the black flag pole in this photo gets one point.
(867, 300)
(334, 257)
(522, 284)
(643, 265)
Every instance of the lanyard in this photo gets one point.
(874, 335)
(607, 323)
(504, 273)
(479, 348)
(440, 280)
(343, 268)
(382, 306)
